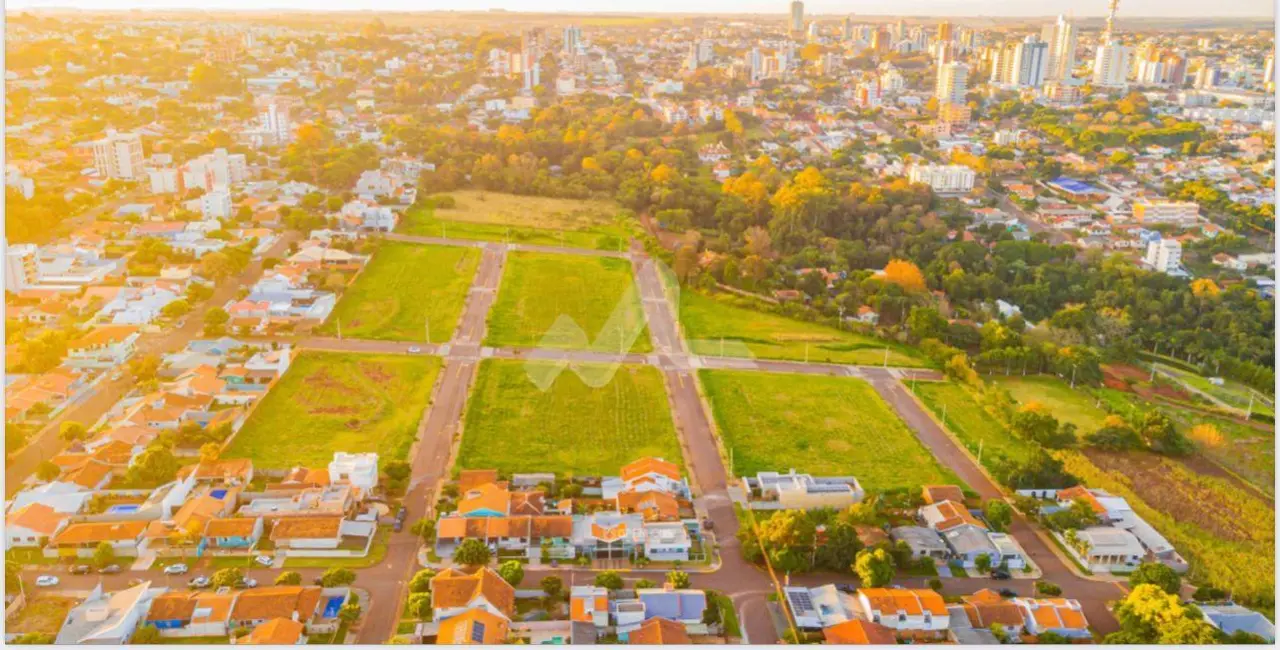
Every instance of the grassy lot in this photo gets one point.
(1076, 406)
(748, 332)
(821, 425)
(43, 614)
(570, 428)
(545, 298)
(329, 402)
(377, 551)
(494, 216)
(966, 418)
(1232, 392)
(403, 287)
(29, 556)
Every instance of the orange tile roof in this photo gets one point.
(611, 534)
(452, 588)
(198, 510)
(105, 335)
(90, 474)
(114, 452)
(277, 631)
(100, 531)
(173, 606)
(654, 505)
(276, 602)
(307, 527)
(1055, 613)
(648, 465)
(939, 493)
(470, 478)
(219, 606)
(912, 602)
(230, 527)
(953, 514)
(231, 468)
(659, 631)
(1079, 492)
(859, 632)
(578, 610)
(474, 626)
(484, 497)
(496, 527)
(36, 517)
(527, 503)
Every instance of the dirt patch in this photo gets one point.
(1155, 481)
(332, 410)
(1122, 371)
(376, 373)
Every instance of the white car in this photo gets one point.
(198, 582)
(175, 569)
(264, 560)
(413, 349)
(47, 581)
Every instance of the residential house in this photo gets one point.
(644, 475)
(524, 532)
(859, 632)
(359, 470)
(191, 613)
(277, 631)
(683, 606)
(659, 631)
(327, 532)
(923, 542)
(1116, 512)
(985, 608)
(1103, 548)
(315, 607)
(792, 491)
(454, 592)
(227, 472)
(938, 493)
(230, 534)
(963, 533)
(474, 627)
(1231, 618)
(1061, 616)
(819, 607)
(589, 604)
(667, 542)
(82, 539)
(103, 619)
(31, 526)
(904, 609)
(108, 346)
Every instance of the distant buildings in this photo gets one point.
(119, 156)
(797, 17)
(1060, 38)
(1164, 255)
(952, 83)
(944, 179)
(1111, 65)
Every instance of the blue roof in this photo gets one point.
(1073, 186)
(674, 605)
(1231, 618)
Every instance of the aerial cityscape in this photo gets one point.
(567, 325)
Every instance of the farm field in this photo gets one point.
(581, 427)
(966, 418)
(329, 402)
(568, 301)
(1076, 406)
(1230, 392)
(748, 332)
(1224, 530)
(405, 288)
(495, 216)
(825, 426)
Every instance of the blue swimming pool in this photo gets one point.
(122, 510)
(332, 606)
(217, 494)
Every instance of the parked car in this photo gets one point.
(80, 569)
(401, 515)
(264, 560)
(846, 587)
(47, 581)
(175, 569)
(1008, 593)
(110, 569)
(247, 583)
(707, 524)
(198, 582)
(1000, 574)
(413, 349)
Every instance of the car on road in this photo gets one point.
(707, 524)
(115, 376)
(1008, 593)
(198, 582)
(80, 569)
(413, 349)
(247, 583)
(401, 515)
(264, 560)
(175, 569)
(47, 581)
(1000, 574)
(110, 569)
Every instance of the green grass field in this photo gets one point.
(966, 418)
(404, 288)
(1076, 406)
(748, 332)
(494, 216)
(821, 425)
(1231, 392)
(545, 298)
(329, 402)
(512, 425)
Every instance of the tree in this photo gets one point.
(209, 452)
(47, 471)
(349, 613)
(397, 470)
(72, 431)
(104, 554)
(788, 537)
(1158, 430)
(155, 466)
(644, 583)
(34, 638)
(904, 274)
(217, 266)
(610, 580)
(1160, 575)
(1046, 588)
(511, 571)
(228, 577)
(337, 577)
(419, 606)
(679, 579)
(926, 323)
(1150, 615)
(289, 578)
(421, 581)
(215, 321)
(424, 528)
(982, 563)
(145, 635)
(144, 367)
(874, 567)
(472, 552)
(552, 586)
(1034, 422)
(998, 514)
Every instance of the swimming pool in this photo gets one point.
(123, 509)
(332, 606)
(217, 494)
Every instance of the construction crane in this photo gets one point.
(1111, 19)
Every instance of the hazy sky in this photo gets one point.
(1082, 8)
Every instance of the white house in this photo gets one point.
(360, 470)
(109, 346)
(107, 620)
(820, 607)
(905, 609)
(667, 542)
(32, 525)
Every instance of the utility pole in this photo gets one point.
(944, 415)
(1153, 373)
(840, 324)
(981, 442)
(427, 323)
(339, 329)
(1073, 376)
(886, 356)
(1249, 413)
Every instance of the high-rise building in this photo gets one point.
(952, 83)
(119, 155)
(572, 39)
(1022, 64)
(1206, 77)
(706, 51)
(797, 17)
(880, 41)
(755, 64)
(944, 32)
(1061, 38)
(20, 267)
(1164, 255)
(276, 122)
(1111, 65)
(846, 29)
(812, 33)
(1269, 70)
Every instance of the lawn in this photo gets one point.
(329, 402)
(494, 216)
(377, 551)
(43, 614)
(1230, 392)
(512, 425)
(568, 301)
(405, 288)
(966, 418)
(717, 326)
(1076, 406)
(825, 426)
